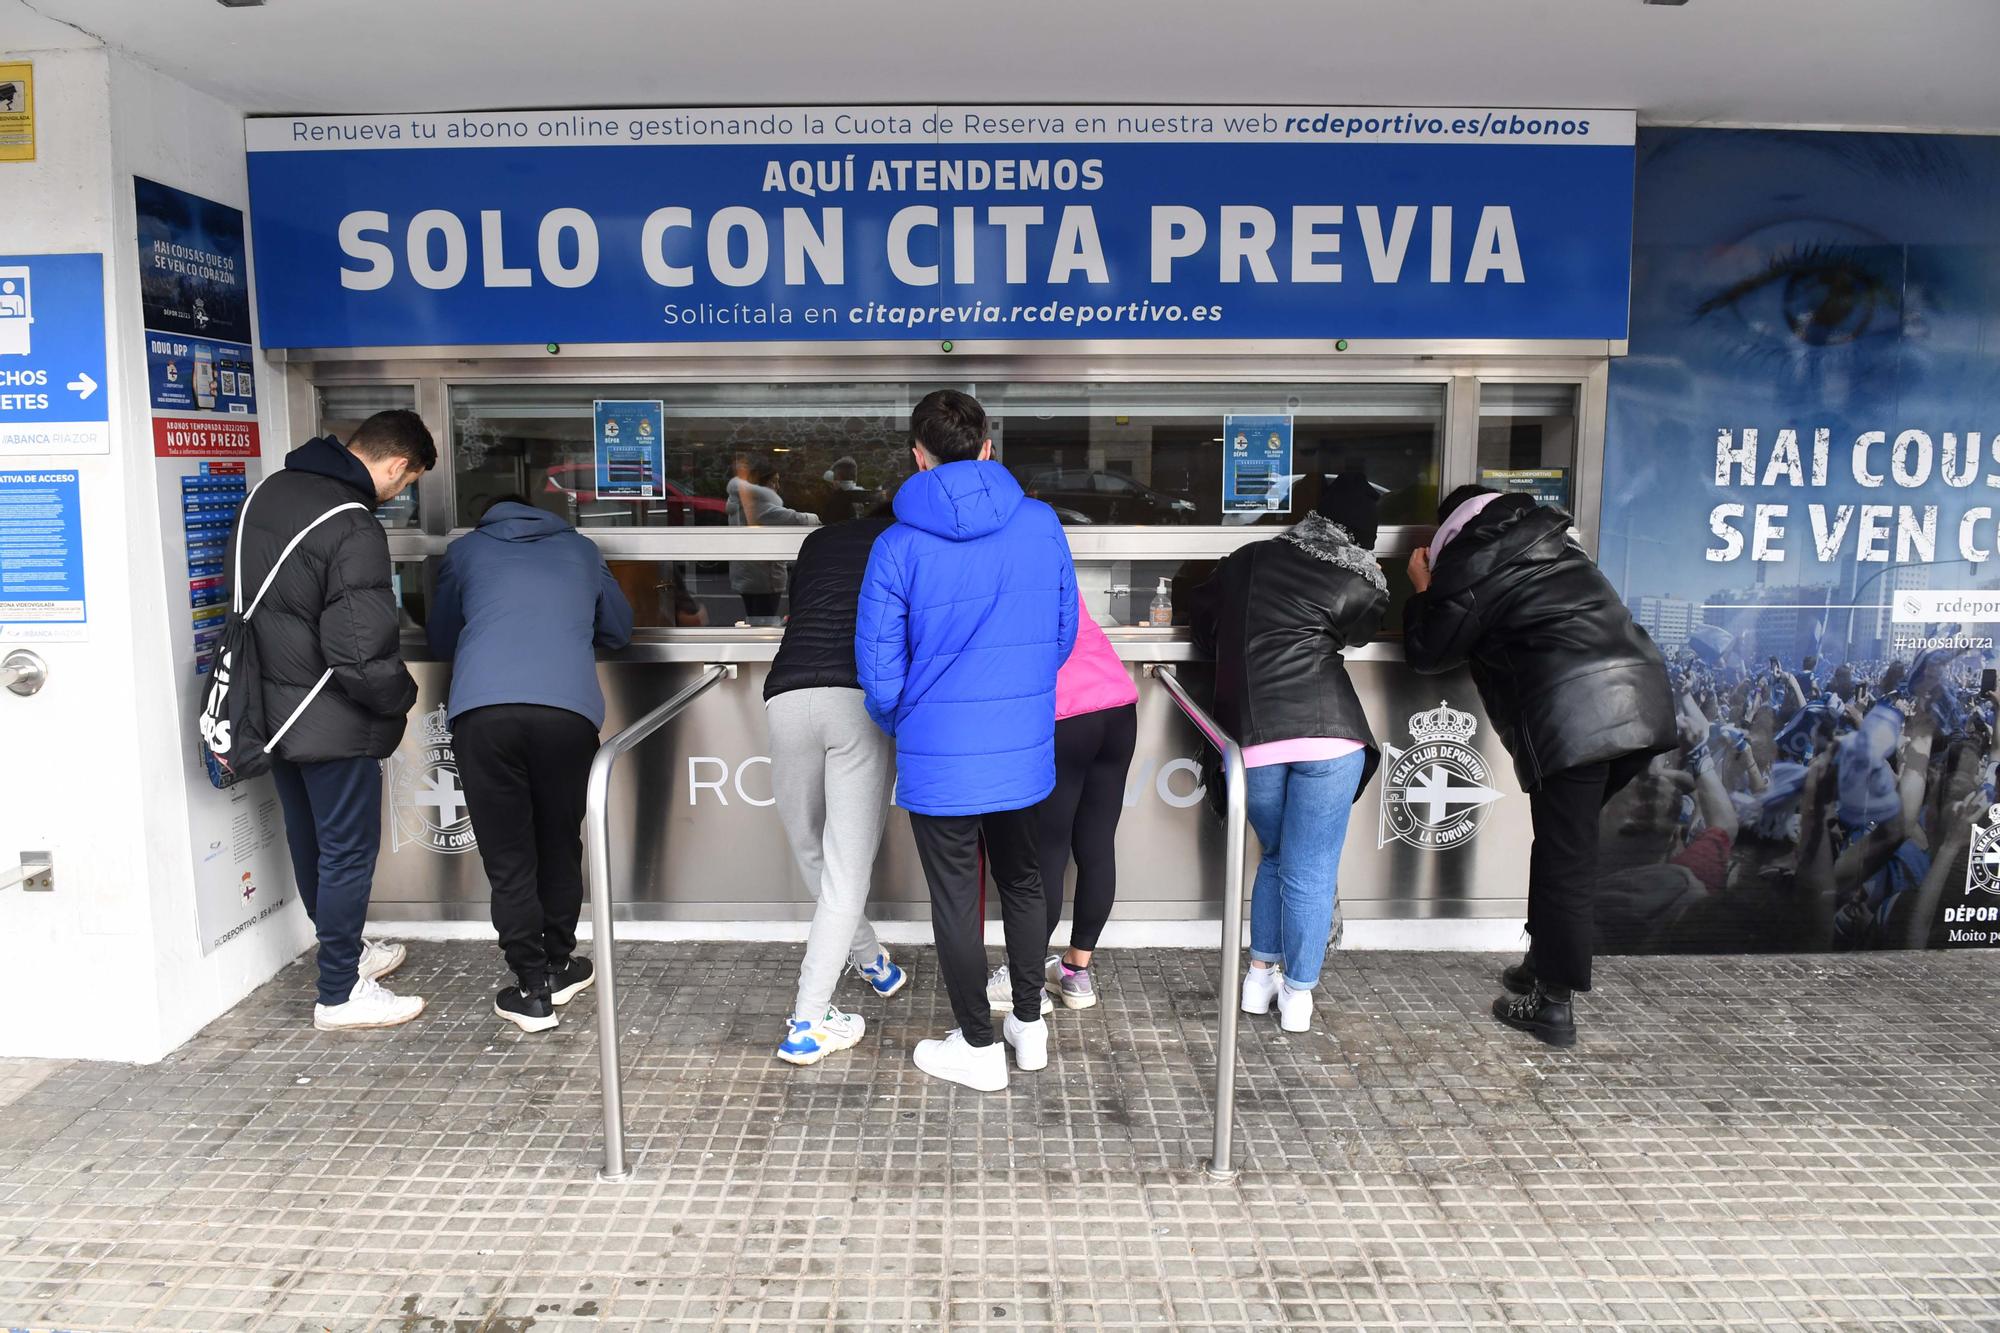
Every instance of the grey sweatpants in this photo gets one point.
(832, 770)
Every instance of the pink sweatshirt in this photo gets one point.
(1093, 678)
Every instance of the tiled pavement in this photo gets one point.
(1753, 1143)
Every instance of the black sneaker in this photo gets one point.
(530, 1012)
(1540, 1015)
(1520, 978)
(570, 977)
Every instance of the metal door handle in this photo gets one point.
(23, 672)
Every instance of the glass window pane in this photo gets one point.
(342, 407)
(1527, 439)
(705, 594)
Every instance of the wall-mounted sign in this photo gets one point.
(41, 557)
(204, 437)
(935, 223)
(1257, 472)
(52, 355)
(1549, 485)
(17, 111)
(194, 288)
(631, 455)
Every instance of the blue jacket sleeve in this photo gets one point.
(1066, 625)
(881, 636)
(447, 618)
(614, 613)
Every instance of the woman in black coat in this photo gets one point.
(1277, 616)
(1577, 692)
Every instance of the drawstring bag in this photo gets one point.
(235, 741)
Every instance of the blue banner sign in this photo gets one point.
(52, 399)
(1257, 465)
(631, 451)
(938, 223)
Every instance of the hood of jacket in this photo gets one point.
(1512, 528)
(960, 501)
(325, 456)
(512, 522)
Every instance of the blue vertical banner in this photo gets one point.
(631, 457)
(52, 399)
(41, 557)
(1257, 464)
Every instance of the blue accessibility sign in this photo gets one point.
(52, 355)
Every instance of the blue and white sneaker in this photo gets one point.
(883, 974)
(808, 1042)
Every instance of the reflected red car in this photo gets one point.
(684, 508)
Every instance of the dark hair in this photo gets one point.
(763, 471)
(498, 500)
(1349, 500)
(1469, 491)
(949, 426)
(399, 433)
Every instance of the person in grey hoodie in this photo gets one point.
(522, 603)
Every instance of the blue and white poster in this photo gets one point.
(52, 397)
(193, 276)
(940, 223)
(1799, 505)
(631, 457)
(41, 557)
(1257, 472)
(199, 375)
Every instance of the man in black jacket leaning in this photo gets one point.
(1577, 692)
(335, 691)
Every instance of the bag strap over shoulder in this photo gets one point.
(283, 555)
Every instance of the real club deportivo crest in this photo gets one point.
(1434, 791)
(424, 795)
(1982, 866)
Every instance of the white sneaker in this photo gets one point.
(369, 1005)
(983, 1068)
(1295, 1009)
(1052, 970)
(1030, 1042)
(1000, 993)
(380, 957)
(1260, 989)
(807, 1041)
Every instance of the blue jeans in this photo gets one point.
(333, 825)
(1300, 814)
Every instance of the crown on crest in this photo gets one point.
(1443, 723)
(436, 729)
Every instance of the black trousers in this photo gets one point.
(1562, 870)
(948, 846)
(1093, 754)
(526, 769)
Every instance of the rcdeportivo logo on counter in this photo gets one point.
(1434, 791)
(424, 795)
(1982, 866)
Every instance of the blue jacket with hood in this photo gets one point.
(967, 612)
(522, 601)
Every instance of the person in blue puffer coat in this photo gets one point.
(968, 610)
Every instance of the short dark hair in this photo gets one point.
(949, 426)
(498, 500)
(398, 433)
(1469, 491)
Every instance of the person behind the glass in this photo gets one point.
(754, 502)
(1577, 692)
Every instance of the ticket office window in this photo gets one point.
(1126, 455)
(343, 407)
(1528, 440)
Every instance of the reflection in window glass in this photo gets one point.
(777, 454)
(700, 594)
(342, 407)
(1527, 439)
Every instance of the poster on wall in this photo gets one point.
(937, 223)
(41, 558)
(194, 288)
(1798, 506)
(52, 396)
(17, 111)
(1549, 485)
(631, 452)
(1257, 464)
(240, 873)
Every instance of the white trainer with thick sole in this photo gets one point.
(369, 1005)
(1260, 989)
(983, 1068)
(1030, 1042)
(1295, 1009)
(1000, 993)
(380, 957)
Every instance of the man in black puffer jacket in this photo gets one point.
(335, 691)
(1577, 692)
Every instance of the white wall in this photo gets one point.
(98, 767)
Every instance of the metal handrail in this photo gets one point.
(597, 877)
(1218, 1167)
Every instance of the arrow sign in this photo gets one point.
(83, 385)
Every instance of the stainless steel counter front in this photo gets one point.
(695, 837)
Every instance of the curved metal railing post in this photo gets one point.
(597, 878)
(1219, 1164)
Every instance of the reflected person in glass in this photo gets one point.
(754, 502)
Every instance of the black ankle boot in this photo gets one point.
(1520, 978)
(1543, 1013)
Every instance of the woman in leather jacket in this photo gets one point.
(1277, 616)
(1577, 692)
